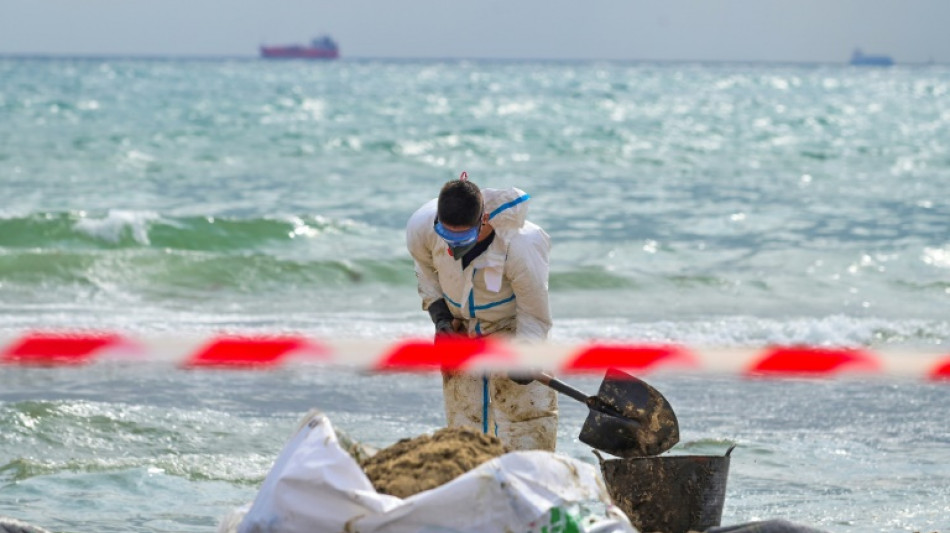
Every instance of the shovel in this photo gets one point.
(627, 418)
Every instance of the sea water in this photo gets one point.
(705, 204)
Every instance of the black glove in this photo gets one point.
(444, 327)
(441, 317)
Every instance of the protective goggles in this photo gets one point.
(457, 238)
(460, 242)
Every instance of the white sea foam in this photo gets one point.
(938, 257)
(117, 223)
(735, 331)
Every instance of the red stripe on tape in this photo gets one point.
(803, 360)
(250, 352)
(630, 357)
(58, 349)
(449, 353)
(941, 371)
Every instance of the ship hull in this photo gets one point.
(297, 52)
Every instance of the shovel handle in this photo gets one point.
(592, 402)
(562, 387)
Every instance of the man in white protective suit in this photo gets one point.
(482, 270)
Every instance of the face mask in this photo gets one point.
(460, 242)
(459, 252)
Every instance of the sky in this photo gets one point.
(910, 31)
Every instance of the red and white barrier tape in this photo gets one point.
(262, 352)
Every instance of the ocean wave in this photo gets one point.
(117, 228)
(248, 469)
(101, 437)
(180, 272)
(584, 277)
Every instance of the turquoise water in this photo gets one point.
(731, 205)
(758, 196)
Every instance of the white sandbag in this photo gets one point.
(316, 486)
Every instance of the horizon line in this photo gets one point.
(248, 57)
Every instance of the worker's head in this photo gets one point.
(460, 215)
(460, 204)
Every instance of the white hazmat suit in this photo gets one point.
(504, 290)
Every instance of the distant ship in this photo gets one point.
(859, 58)
(320, 48)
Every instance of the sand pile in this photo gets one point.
(413, 465)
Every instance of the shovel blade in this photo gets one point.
(646, 424)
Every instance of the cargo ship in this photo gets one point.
(861, 59)
(323, 47)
